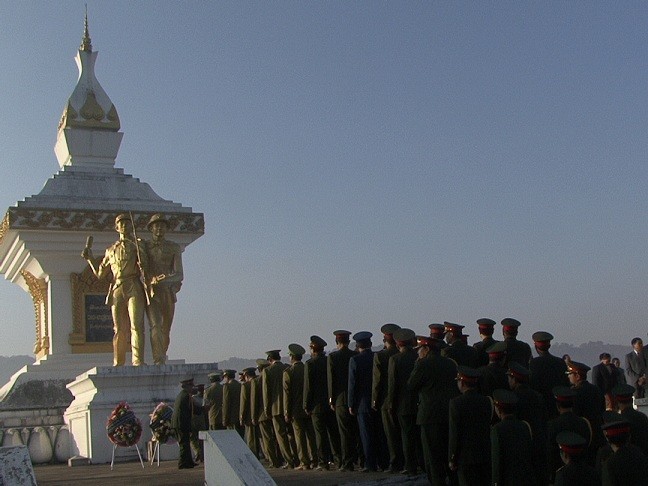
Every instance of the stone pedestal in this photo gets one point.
(98, 391)
(228, 460)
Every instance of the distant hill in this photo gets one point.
(10, 364)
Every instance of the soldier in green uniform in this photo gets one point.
(274, 406)
(486, 328)
(433, 381)
(181, 422)
(470, 416)
(231, 402)
(260, 418)
(515, 350)
(627, 465)
(493, 376)
(437, 331)
(576, 471)
(547, 371)
(294, 414)
(388, 420)
(403, 401)
(457, 349)
(316, 405)
(127, 262)
(511, 449)
(338, 382)
(213, 401)
(638, 421)
(567, 420)
(251, 431)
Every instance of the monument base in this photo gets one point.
(98, 391)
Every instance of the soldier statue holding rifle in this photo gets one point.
(127, 263)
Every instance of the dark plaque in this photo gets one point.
(98, 319)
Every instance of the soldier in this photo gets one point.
(470, 415)
(181, 423)
(589, 401)
(264, 421)
(531, 409)
(231, 402)
(359, 398)
(165, 273)
(389, 421)
(401, 400)
(567, 420)
(457, 349)
(293, 399)
(515, 350)
(213, 401)
(251, 431)
(627, 465)
(638, 420)
(576, 471)
(316, 405)
(486, 328)
(433, 380)
(274, 407)
(127, 262)
(493, 376)
(511, 449)
(437, 331)
(547, 371)
(198, 423)
(338, 383)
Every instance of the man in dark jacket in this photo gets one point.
(486, 328)
(604, 376)
(627, 465)
(515, 350)
(547, 371)
(181, 423)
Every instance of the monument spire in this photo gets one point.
(86, 42)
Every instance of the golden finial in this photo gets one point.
(86, 43)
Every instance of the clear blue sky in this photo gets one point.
(361, 162)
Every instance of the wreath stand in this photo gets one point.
(138, 453)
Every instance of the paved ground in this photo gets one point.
(167, 474)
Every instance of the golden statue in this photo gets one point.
(165, 266)
(126, 261)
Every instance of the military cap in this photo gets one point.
(541, 337)
(623, 392)
(404, 335)
(576, 367)
(497, 348)
(362, 336)
(274, 354)
(230, 373)
(453, 328)
(296, 350)
(423, 341)
(215, 376)
(570, 442)
(485, 323)
(504, 397)
(564, 394)
(250, 371)
(121, 217)
(389, 328)
(510, 324)
(616, 429)
(262, 363)
(468, 375)
(318, 341)
(518, 371)
(437, 329)
(155, 218)
(342, 332)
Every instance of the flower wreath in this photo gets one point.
(123, 428)
(161, 423)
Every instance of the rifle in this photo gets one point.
(139, 261)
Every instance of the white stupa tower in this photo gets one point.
(41, 237)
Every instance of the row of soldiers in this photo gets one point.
(483, 414)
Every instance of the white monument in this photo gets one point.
(41, 239)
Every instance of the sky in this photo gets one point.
(359, 163)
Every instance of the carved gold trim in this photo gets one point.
(38, 291)
(4, 226)
(57, 219)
